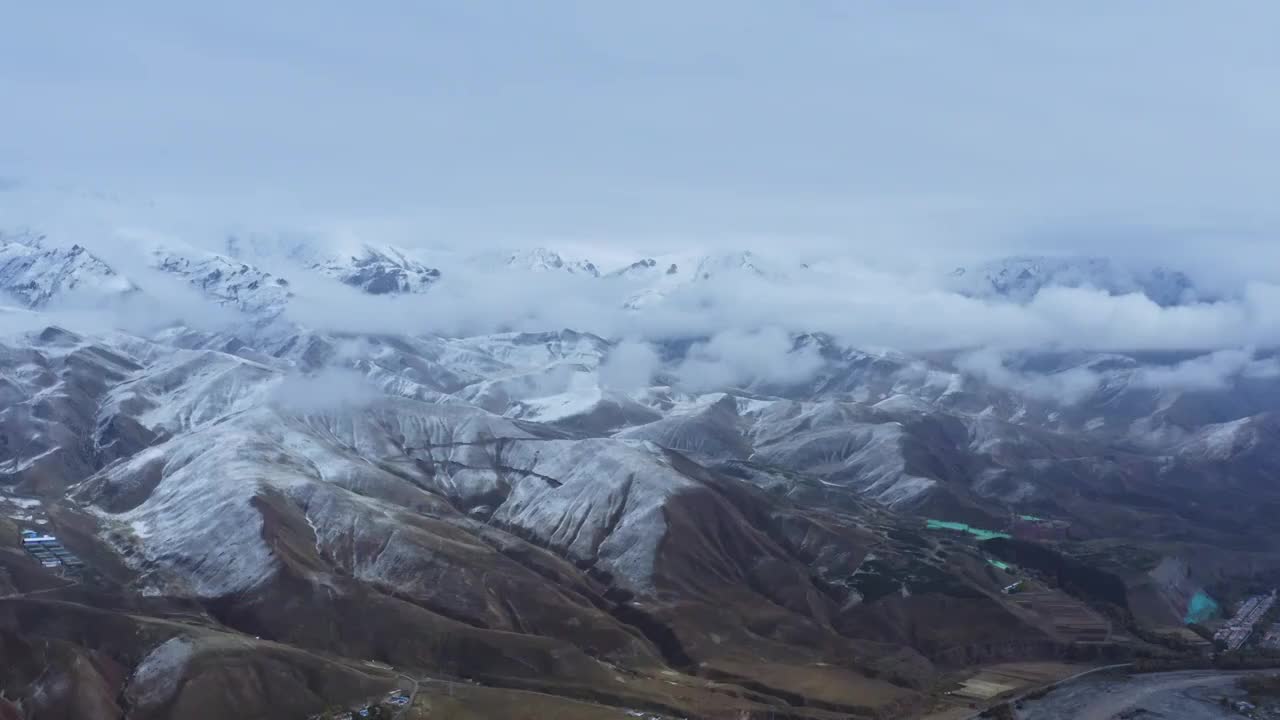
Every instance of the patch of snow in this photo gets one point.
(157, 677)
(583, 395)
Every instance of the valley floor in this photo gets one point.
(1192, 695)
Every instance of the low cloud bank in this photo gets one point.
(862, 303)
(1067, 386)
(1219, 370)
(870, 309)
(1215, 371)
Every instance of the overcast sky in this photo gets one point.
(1114, 127)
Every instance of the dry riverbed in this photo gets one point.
(1192, 695)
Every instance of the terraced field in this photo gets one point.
(1071, 619)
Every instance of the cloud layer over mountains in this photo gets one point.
(737, 311)
(858, 304)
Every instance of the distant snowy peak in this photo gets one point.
(1019, 279)
(663, 274)
(690, 267)
(738, 262)
(646, 267)
(35, 273)
(381, 271)
(544, 260)
(649, 268)
(226, 281)
(374, 269)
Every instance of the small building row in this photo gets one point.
(49, 551)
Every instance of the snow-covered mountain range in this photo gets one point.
(556, 378)
(254, 272)
(556, 510)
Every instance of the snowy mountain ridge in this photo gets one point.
(545, 260)
(225, 280)
(1020, 278)
(36, 273)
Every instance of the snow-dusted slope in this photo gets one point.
(190, 389)
(533, 351)
(597, 500)
(51, 385)
(709, 431)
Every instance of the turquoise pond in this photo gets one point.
(962, 527)
(1201, 608)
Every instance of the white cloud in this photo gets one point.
(1214, 371)
(630, 365)
(17, 321)
(734, 357)
(329, 390)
